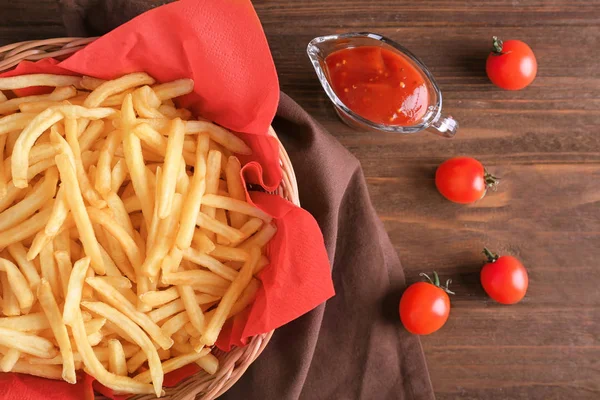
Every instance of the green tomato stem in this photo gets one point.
(492, 257)
(497, 44)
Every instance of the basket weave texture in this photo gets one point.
(234, 363)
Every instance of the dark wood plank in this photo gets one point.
(542, 141)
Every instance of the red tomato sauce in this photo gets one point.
(378, 84)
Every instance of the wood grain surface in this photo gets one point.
(543, 141)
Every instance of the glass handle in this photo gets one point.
(445, 126)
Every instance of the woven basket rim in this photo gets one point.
(233, 364)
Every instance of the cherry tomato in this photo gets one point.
(504, 278)
(463, 180)
(425, 306)
(511, 65)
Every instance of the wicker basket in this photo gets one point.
(233, 364)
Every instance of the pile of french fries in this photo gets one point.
(126, 239)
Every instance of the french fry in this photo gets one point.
(213, 225)
(59, 213)
(27, 343)
(158, 143)
(18, 284)
(113, 87)
(50, 307)
(135, 333)
(90, 83)
(94, 132)
(234, 291)
(213, 171)
(26, 140)
(118, 282)
(213, 200)
(236, 190)
(192, 308)
(175, 323)
(31, 322)
(60, 93)
(160, 248)
(64, 266)
(12, 194)
(115, 382)
(173, 89)
(14, 123)
(118, 232)
(74, 289)
(158, 298)
(195, 278)
(94, 325)
(117, 364)
(43, 371)
(118, 175)
(261, 238)
(89, 193)
(19, 253)
(23, 81)
(224, 253)
(209, 263)
(117, 300)
(202, 242)
(80, 214)
(3, 174)
(173, 364)
(209, 363)
(103, 171)
(135, 161)
(146, 102)
(25, 229)
(9, 359)
(49, 269)
(171, 166)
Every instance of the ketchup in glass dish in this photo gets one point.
(378, 84)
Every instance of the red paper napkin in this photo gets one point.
(221, 46)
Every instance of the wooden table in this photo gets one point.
(543, 141)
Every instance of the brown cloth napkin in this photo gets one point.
(352, 347)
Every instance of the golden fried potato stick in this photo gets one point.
(173, 364)
(115, 86)
(75, 289)
(27, 343)
(217, 201)
(146, 102)
(170, 90)
(31, 203)
(25, 229)
(130, 247)
(170, 168)
(23, 81)
(194, 312)
(18, 283)
(19, 253)
(103, 169)
(80, 215)
(117, 362)
(9, 360)
(118, 301)
(3, 174)
(95, 367)
(59, 94)
(135, 333)
(59, 329)
(49, 269)
(234, 291)
(210, 263)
